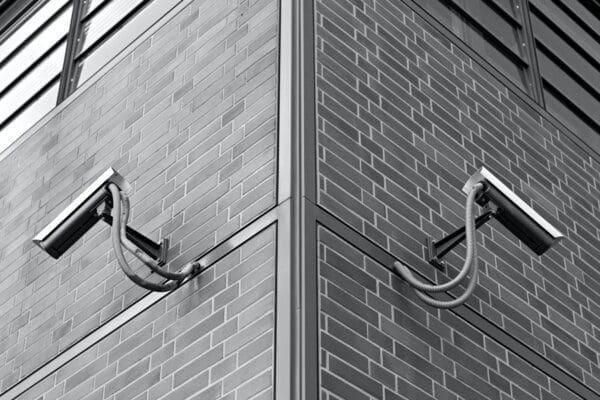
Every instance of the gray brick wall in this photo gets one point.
(378, 341)
(188, 117)
(404, 117)
(212, 338)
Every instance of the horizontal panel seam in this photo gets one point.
(360, 242)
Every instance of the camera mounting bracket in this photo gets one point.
(438, 249)
(158, 251)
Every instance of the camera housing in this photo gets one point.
(79, 216)
(512, 212)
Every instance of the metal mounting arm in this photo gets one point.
(158, 251)
(438, 249)
(119, 239)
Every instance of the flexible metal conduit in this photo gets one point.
(470, 263)
(142, 256)
(119, 240)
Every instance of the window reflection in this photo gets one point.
(89, 6)
(29, 116)
(27, 87)
(88, 64)
(28, 29)
(104, 20)
(32, 51)
(492, 28)
(511, 7)
(35, 70)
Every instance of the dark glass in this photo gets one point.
(90, 6)
(587, 12)
(104, 20)
(27, 87)
(494, 56)
(511, 7)
(107, 50)
(440, 11)
(29, 116)
(559, 108)
(581, 34)
(573, 60)
(502, 29)
(32, 51)
(495, 25)
(568, 53)
(29, 27)
(568, 87)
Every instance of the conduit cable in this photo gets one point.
(188, 269)
(470, 263)
(445, 304)
(116, 231)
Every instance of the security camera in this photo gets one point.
(501, 203)
(107, 199)
(75, 220)
(512, 212)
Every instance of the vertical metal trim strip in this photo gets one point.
(309, 302)
(64, 88)
(305, 219)
(308, 106)
(296, 350)
(284, 307)
(284, 149)
(536, 76)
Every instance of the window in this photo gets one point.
(567, 38)
(548, 48)
(494, 28)
(49, 48)
(31, 58)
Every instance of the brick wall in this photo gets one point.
(212, 338)
(404, 118)
(378, 341)
(188, 118)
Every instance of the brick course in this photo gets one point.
(404, 117)
(188, 118)
(378, 341)
(204, 341)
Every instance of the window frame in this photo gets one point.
(535, 99)
(526, 62)
(13, 15)
(80, 16)
(12, 11)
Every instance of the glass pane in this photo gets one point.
(29, 27)
(488, 18)
(495, 57)
(556, 45)
(32, 82)
(558, 78)
(442, 13)
(509, 6)
(28, 117)
(495, 24)
(589, 132)
(22, 60)
(121, 38)
(90, 5)
(568, 26)
(102, 22)
(586, 11)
